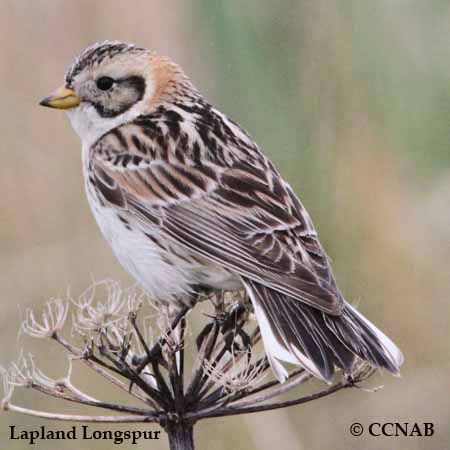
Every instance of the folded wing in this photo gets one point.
(243, 217)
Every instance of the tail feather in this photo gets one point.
(366, 340)
(297, 333)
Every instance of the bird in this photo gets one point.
(188, 200)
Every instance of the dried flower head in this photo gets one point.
(95, 312)
(53, 318)
(20, 373)
(8, 389)
(240, 376)
(139, 346)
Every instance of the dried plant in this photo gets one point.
(112, 334)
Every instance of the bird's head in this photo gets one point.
(111, 83)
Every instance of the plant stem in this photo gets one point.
(181, 435)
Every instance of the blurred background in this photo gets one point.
(350, 99)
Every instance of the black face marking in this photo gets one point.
(123, 94)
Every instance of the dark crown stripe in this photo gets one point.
(96, 53)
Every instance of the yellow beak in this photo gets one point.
(62, 98)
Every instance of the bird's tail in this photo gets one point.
(297, 333)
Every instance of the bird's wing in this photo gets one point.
(240, 215)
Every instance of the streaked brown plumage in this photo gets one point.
(186, 198)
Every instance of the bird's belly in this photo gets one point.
(167, 272)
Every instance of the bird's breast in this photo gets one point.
(166, 270)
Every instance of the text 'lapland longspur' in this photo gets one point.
(187, 200)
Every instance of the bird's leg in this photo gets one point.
(156, 350)
(217, 319)
(246, 342)
(154, 355)
(233, 326)
(137, 360)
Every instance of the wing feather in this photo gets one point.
(240, 215)
(202, 234)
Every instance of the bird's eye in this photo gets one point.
(105, 83)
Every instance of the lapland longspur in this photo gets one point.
(186, 198)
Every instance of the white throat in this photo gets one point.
(90, 126)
